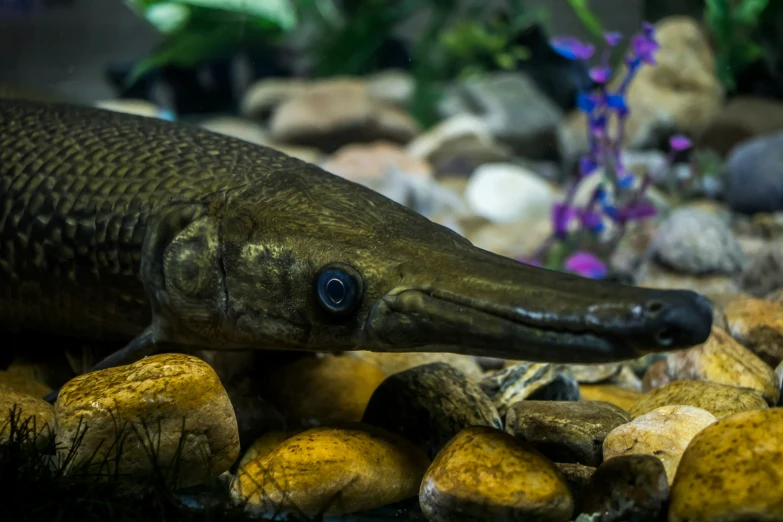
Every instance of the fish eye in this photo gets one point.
(339, 288)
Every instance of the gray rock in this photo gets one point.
(566, 431)
(527, 380)
(753, 175)
(516, 111)
(430, 404)
(695, 241)
(632, 487)
(763, 274)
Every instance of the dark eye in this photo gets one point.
(339, 288)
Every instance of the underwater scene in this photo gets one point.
(391, 260)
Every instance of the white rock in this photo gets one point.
(502, 193)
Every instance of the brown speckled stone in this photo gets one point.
(611, 393)
(724, 361)
(656, 376)
(758, 324)
(719, 399)
(429, 405)
(150, 402)
(319, 390)
(486, 474)
(32, 416)
(565, 431)
(632, 487)
(664, 433)
(732, 472)
(331, 471)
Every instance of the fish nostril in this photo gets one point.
(653, 308)
(665, 337)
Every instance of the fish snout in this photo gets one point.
(682, 319)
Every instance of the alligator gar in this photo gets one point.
(141, 231)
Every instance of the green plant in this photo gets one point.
(735, 28)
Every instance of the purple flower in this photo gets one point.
(648, 29)
(643, 48)
(571, 48)
(585, 264)
(613, 38)
(531, 262)
(598, 125)
(625, 182)
(587, 165)
(591, 220)
(640, 210)
(679, 142)
(617, 102)
(561, 217)
(587, 102)
(600, 74)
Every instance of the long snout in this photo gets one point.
(485, 304)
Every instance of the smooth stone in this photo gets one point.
(652, 275)
(626, 378)
(611, 393)
(565, 431)
(656, 376)
(594, 373)
(264, 445)
(779, 373)
(723, 360)
(576, 476)
(642, 364)
(25, 419)
(237, 128)
(758, 325)
(763, 275)
(152, 402)
(365, 163)
(255, 416)
(721, 400)
(431, 143)
(631, 487)
(462, 155)
(695, 241)
(504, 193)
(395, 362)
(742, 118)
(486, 474)
(321, 389)
(392, 86)
(518, 239)
(663, 433)
(731, 471)
(752, 175)
(533, 381)
(330, 471)
(13, 381)
(430, 404)
(261, 99)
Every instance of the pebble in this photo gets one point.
(264, 445)
(594, 373)
(721, 400)
(534, 381)
(695, 241)
(626, 378)
(577, 477)
(237, 128)
(148, 400)
(430, 404)
(779, 374)
(763, 274)
(263, 97)
(486, 474)
(518, 239)
(731, 471)
(394, 362)
(743, 117)
(610, 393)
(565, 431)
(255, 416)
(653, 275)
(13, 381)
(664, 433)
(656, 376)
(504, 193)
(330, 471)
(430, 144)
(319, 389)
(25, 419)
(752, 175)
(758, 324)
(630, 487)
(367, 163)
(723, 360)
(462, 155)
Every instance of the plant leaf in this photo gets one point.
(281, 12)
(587, 17)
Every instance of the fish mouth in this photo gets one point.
(559, 318)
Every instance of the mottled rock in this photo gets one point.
(366, 163)
(610, 393)
(642, 364)
(526, 380)
(577, 477)
(456, 129)
(263, 97)
(631, 487)
(731, 471)
(653, 275)
(330, 471)
(315, 390)
(723, 360)
(695, 241)
(172, 405)
(513, 108)
(626, 378)
(334, 112)
(719, 399)
(656, 376)
(237, 128)
(594, 373)
(758, 325)
(25, 418)
(664, 433)
(565, 431)
(462, 155)
(486, 474)
(13, 381)
(504, 193)
(430, 404)
(394, 362)
(752, 175)
(391, 86)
